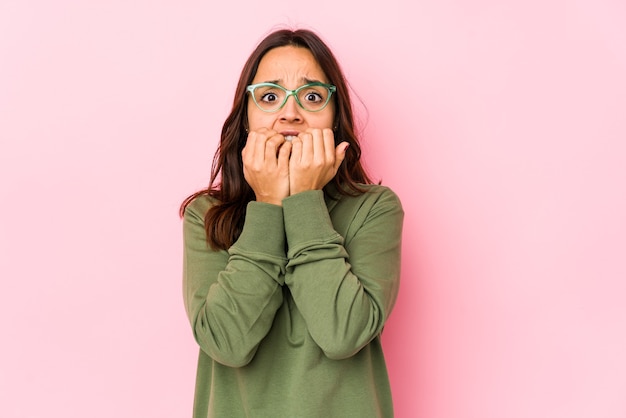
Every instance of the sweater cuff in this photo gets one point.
(307, 220)
(263, 230)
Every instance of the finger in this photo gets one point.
(260, 138)
(319, 155)
(255, 143)
(283, 154)
(329, 145)
(247, 153)
(340, 154)
(296, 150)
(307, 147)
(272, 145)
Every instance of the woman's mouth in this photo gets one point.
(289, 135)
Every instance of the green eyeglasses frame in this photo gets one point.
(294, 93)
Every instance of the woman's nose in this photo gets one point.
(291, 111)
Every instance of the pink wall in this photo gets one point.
(502, 125)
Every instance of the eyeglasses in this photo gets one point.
(271, 97)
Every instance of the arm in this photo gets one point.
(231, 296)
(344, 288)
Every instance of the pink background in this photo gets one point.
(501, 125)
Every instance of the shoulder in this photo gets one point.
(377, 210)
(383, 200)
(376, 194)
(199, 206)
(374, 200)
(379, 191)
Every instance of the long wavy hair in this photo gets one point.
(224, 220)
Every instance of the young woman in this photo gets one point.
(291, 255)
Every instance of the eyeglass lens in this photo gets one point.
(310, 97)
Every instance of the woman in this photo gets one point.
(292, 255)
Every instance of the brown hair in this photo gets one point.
(224, 220)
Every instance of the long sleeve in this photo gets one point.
(231, 297)
(344, 283)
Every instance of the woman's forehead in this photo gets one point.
(289, 64)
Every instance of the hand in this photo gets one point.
(266, 165)
(314, 160)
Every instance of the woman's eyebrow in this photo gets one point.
(304, 81)
(309, 81)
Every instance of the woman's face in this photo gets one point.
(290, 67)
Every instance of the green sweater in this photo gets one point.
(289, 319)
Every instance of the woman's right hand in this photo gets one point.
(266, 165)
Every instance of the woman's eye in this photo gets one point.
(312, 97)
(269, 97)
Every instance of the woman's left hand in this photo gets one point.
(314, 159)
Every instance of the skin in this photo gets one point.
(276, 168)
